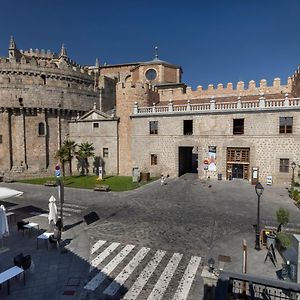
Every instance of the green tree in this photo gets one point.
(282, 215)
(70, 148)
(85, 151)
(62, 155)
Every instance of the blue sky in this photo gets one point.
(214, 41)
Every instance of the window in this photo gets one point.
(95, 125)
(284, 165)
(285, 124)
(153, 126)
(153, 159)
(238, 126)
(187, 127)
(0, 138)
(41, 128)
(105, 152)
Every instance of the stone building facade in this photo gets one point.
(141, 115)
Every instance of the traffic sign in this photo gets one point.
(57, 171)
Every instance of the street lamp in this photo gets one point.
(259, 189)
(293, 175)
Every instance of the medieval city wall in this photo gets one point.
(39, 91)
(224, 91)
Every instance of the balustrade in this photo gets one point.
(261, 104)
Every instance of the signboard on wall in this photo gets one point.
(212, 165)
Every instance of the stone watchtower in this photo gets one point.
(40, 91)
(140, 87)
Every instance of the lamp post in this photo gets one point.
(293, 174)
(259, 189)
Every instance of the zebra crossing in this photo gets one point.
(130, 269)
(69, 210)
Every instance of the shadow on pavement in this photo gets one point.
(54, 273)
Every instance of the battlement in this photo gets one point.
(240, 89)
(37, 53)
(56, 66)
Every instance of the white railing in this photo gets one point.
(261, 104)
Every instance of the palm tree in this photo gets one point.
(62, 155)
(70, 147)
(86, 150)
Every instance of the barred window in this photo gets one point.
(153, 159)
(285, 124)
(153, 127)
(105, 152)
(284, 165)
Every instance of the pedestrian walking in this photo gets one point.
(162, 179)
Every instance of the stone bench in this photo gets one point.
(101, 188)
(50, 183)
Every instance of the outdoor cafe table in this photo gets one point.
(9, 274)
(31, 225)
(44, 236)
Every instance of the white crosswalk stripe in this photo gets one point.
(144, 276)
(187, 279)
(113, 288)
(97, 245)
(165, 278)
(96, 261)
(156, 266)
(101, 276)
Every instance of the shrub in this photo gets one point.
(284, 239)
(282, 216)
(294, 194)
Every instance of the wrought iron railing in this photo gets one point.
(234, 286)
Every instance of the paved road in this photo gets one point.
(167, 231)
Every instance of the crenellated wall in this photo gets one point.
(220, 90)
(40, 87)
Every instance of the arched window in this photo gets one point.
(41, 128)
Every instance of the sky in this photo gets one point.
(214, 41)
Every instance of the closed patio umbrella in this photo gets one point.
(4, 230)
(8, 193)
(52, 210)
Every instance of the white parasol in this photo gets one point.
(8, 193)
(4, 230)
(52, 210)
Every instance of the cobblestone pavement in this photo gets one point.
(155, 239)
